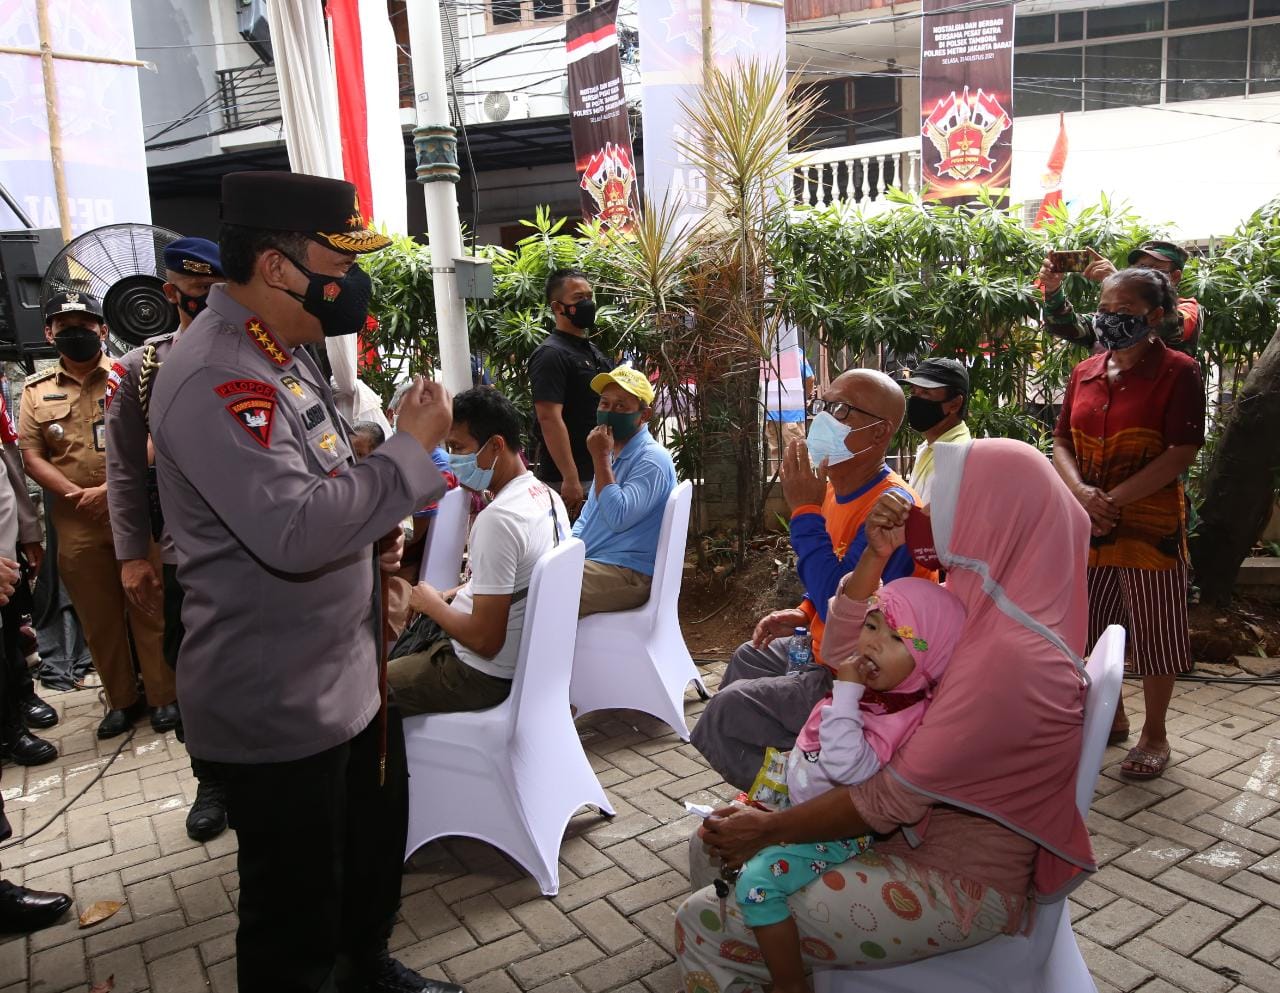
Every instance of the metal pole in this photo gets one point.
(436, 144)
(16, 207)
(55, 123)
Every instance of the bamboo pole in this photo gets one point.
(73, 57)
(55, 123)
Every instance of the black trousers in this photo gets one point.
(321, 852)
(173, 629)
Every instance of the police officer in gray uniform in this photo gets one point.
(192, 267)
(278, 531)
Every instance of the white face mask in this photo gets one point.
(827, 440)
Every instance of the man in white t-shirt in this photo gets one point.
(470, 665)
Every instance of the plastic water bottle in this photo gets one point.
(799, 651)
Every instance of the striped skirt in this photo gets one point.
(1151, 605)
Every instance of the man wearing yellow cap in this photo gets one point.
(634, 476)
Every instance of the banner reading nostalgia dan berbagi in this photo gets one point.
(598, 118)
(966, 101)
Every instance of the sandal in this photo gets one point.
(1141, 763)
(1119, 734)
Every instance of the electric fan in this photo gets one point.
(123, 266)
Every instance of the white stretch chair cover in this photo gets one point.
(515, 774)
(637, 659)
(1048, 959)
(446, 540)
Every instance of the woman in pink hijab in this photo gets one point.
(977, 809)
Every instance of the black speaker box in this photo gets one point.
(24, 257)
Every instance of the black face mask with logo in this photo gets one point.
(339, 303)
(190, 305)
(581, 314)
(78, 344)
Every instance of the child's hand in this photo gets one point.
(853, 670)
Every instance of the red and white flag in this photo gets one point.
(1052, 180)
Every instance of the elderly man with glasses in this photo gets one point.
(830, 483)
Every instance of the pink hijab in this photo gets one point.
(929, 620)
(1002, 736)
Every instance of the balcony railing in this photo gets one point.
(857, 173)
(248, 95)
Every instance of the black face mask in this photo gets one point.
(339, 303)
(924, 414)
(190, 305)
(78, 344)
(581, 314)
(1117, 332)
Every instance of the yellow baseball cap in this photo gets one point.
(632, 380)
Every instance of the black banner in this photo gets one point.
(598, 118)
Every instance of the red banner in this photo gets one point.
(966, 101)
(598, 118)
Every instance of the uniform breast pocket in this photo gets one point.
(328, 448)
(54, 420)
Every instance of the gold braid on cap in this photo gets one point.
(355, 241)
(150, 366)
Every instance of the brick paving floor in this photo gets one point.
(1188, 898)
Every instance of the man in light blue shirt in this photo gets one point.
(634, 477)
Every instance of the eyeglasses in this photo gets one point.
(837, 409)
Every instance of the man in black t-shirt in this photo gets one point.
(561, 370)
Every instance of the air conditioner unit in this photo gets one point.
(499, 106)
(251, 22)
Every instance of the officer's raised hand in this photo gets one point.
(426, 413)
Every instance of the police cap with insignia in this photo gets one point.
(72, 303)
(326, 209)
(193, 257)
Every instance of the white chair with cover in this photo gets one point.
(637, 659)
(512, 775)
(446, 540)
(1048, 959)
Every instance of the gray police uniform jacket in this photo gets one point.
(128, 499)
(274, 524)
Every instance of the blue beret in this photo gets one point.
(193, 257)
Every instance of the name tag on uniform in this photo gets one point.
(312, 416)
(54, 396)
(99, 436)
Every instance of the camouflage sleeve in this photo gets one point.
(1059, 318)
(127, 466)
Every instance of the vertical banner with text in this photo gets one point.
(966, 101)
(598, 118)
(101, 111)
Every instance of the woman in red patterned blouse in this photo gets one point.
(1131, 424)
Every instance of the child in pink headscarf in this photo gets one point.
(898, 642)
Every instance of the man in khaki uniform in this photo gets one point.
(62, 434)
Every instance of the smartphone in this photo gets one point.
(1069, 261)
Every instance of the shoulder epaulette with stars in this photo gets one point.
(40, 377)
(261, 336)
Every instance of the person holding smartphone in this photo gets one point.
(1181, 330)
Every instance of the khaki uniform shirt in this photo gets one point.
(274, 525)
(63, 419)
(128, 465)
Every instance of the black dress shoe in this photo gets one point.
(25, 748)
(208, 816)
(165, 718)
(119, 721)
(23, 910)
(391, 976)
(37, 713)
